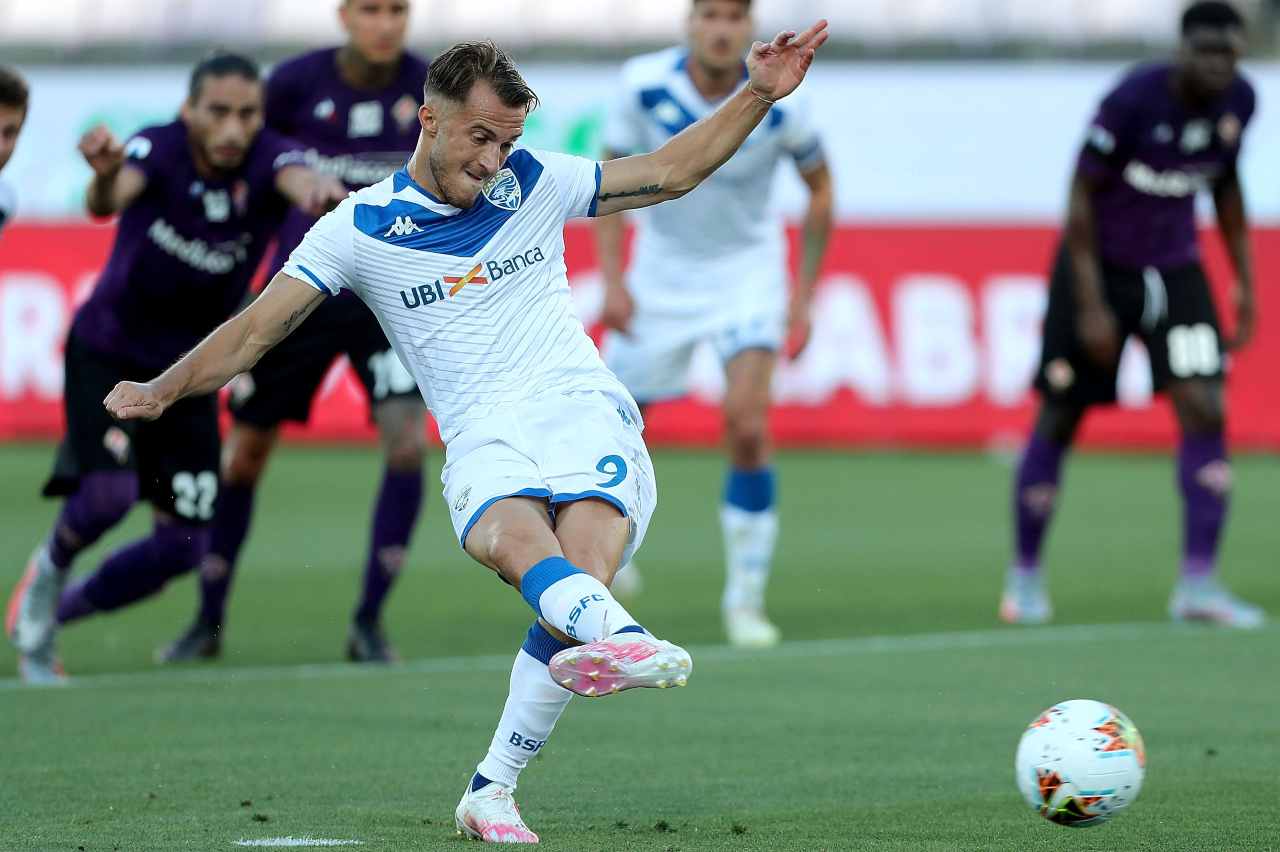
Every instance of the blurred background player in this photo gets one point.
(198, 199)
(13, 113)
(1130, 265)
(355, 108)
(712, 266)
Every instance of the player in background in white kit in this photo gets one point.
(460, 256)
(13, 114)
(712, 267)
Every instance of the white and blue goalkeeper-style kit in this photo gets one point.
(711, 265)
(476, 303)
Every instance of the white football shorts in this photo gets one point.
(560, 448)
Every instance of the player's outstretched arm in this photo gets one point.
(115, 183)
(232, 348)
(775, 70)
(309, 190)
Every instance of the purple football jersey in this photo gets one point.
(358, 136)
(185, 249)
(1153, 155)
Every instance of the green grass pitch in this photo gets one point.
(888, 722)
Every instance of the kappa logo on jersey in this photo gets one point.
(402, 227)
(503, 190)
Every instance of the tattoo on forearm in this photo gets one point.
(294, 319)
(651, 189)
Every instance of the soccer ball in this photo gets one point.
(1080, 763)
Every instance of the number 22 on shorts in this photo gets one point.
(614, 467)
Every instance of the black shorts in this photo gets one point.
(1170, 310)
(284, 383)
(175, 456)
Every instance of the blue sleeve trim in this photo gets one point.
(543, 576)
(809, 156)
(319, 285)
(557, 499)
(595, 196)
(475, 516)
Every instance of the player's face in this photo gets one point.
(376, 28)
(719, 33)
(469, 141)
(11, 119)
(1209, 57)
(224, 119)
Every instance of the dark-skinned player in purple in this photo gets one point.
(1130, 265)
(198, 201)
(355, 110)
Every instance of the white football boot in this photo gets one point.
(749, 628)
(619, 662)
(1206, 599)
(490, 815)
(30, 620)
(1025, 599)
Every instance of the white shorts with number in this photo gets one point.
(652, 359)
(560, 448)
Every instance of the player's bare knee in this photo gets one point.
(1199, 406)
(402, 427)
(747, 436)
(246, 454)
(1058, 422)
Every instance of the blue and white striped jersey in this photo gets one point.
(476, 302)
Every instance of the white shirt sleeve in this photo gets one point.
(8, 203)
(623, 132)
(577, 181)
(799, 137)
(325, 257)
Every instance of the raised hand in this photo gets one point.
(133, 401)
(776, 69)
(102, 151)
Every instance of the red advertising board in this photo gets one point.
(925, 335)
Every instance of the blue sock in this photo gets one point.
(572, 601)
(750, 490)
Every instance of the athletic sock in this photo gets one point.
(573, 601)
(750, 528)
(135, 571)
(394, 515)
(230, 527)
(533, 707)
(101, 500)
(1034, 496)
(1205, 478)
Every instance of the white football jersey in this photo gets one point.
(728, 217)
(476, 302)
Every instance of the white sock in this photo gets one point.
(533, 706)
(749, 539)
(573, 601)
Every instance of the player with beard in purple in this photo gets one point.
(355, 109)
(1130, 265)
(198, 201)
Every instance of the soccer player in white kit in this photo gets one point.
(460, 255)
(13, 114)
(712, 267)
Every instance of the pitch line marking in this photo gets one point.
(853, 646)
(298, 841)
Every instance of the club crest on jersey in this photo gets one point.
(503, 190)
